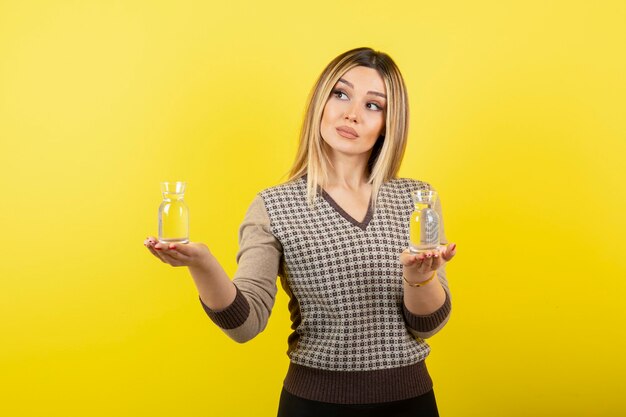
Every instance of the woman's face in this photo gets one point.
(354, 115)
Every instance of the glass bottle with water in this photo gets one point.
(424, 227)
(173, 213)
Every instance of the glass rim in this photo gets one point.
(423, 192)
(424, 196)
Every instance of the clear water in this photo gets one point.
(424, 230)
(173, 221)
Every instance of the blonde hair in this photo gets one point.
(388, 151)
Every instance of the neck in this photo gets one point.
(348, 171)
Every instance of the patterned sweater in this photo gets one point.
(353, 340)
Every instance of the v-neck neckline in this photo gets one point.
(361, 224)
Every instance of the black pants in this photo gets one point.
(422, 406)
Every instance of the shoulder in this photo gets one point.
(284, 190)
(408, 184)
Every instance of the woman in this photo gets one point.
(336, 233)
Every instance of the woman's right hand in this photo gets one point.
(179, 254)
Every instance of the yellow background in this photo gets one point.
(517, 118)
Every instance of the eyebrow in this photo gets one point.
(376, 93)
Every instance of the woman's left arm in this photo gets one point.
(427, 303)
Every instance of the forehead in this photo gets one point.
(365, 78)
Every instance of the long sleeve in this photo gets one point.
(258, 261)
(426, 326)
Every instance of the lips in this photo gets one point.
(347, 132)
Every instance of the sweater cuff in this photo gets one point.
(428, 322)
(232, 316)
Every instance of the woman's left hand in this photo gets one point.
(419, 267)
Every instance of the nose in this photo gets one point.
(351, 114)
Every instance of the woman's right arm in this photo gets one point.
(215, 288)
(241, 307)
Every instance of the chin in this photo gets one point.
(346, 146)
(349, 151)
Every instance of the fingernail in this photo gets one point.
(453, 247)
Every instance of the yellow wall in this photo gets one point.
(517, 118)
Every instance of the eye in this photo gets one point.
(340, 94)
(374, 106)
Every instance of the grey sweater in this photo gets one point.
(353, 339)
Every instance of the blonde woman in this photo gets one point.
(336, 233)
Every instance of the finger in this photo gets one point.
(450, 251)
(183, 248)
(407, 258)
(174, 252)
(419, 261)
(174, 258)
(155, 253)
(160, 246)
(170, 258)
(162, 257)
(428, 262)
(148, 244)
(183, 252)
(163, 252)
(437, 263)
(438, 259)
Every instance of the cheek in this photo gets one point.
(329, 115)
(330, 110)
(325, 113)
(326, 122)
(381, 124)
(377, 126)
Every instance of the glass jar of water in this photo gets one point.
(424, 227)
(173, 213)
